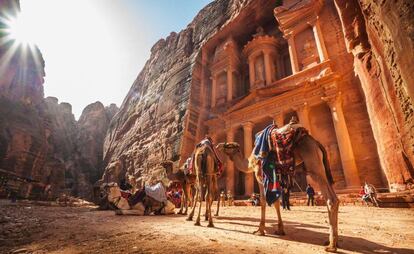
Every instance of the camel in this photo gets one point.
(186, 181)
(147, 206)
(314, 156)
(206, 178)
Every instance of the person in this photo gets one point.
(124, 185)
(285, 197)
(370, 194)
(254, 199)
(311, 193)
(223, 198)
(363, 195)
(230, 198)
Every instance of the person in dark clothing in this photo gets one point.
(124, 185)
(311, 193)
(285, 198)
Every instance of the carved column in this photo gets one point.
(252, 72)
(293, 55)
(248, 146)
(278, 118)
(229, 84)
(344, 141)
(268, 67)
(230, 165)
(303, 114)
(213, 90)
(320, 44)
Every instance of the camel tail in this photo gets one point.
(326, 163)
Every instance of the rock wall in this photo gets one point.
(380, 35)
(40, 138)
(149, 125)
(92, 127)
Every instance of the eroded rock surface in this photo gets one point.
(380, 36)
(149, 125)
(40, 138)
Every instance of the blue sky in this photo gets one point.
(94, 49)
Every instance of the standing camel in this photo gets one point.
(186, 181)
(314, 157)
(206, 170)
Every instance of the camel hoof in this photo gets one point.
(280, 232)
(259, 232)
(197, 223)
(189, 219)
(210, 225)
(216, 215)
(330, 249)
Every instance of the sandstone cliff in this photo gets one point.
(380, 34)
(92, 127)
(40, 138)
(149, 125)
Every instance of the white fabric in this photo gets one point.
(156, 192)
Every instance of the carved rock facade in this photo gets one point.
(242, 64)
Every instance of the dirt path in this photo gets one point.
(39, 229)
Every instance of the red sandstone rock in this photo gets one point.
(40, 138)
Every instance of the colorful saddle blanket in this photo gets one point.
(274, 150)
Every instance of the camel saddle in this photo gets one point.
(274, 150)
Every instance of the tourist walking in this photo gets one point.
(285, 198)
(311, 193)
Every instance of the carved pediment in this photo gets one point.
(299, 12)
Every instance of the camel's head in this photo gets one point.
(169, 166)
(229, 148)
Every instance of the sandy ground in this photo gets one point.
(27, 228)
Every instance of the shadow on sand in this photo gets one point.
(303, 233)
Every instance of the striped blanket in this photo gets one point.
(274, 150)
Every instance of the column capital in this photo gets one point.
(248, 125)
(301, 107)
(333, 100)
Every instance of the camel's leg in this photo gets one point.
(280, 230)
(216, 194)
(210, 196)
(261, 230)
(182, 203)
(197, 223)
(186, 195)
(207, 188)
(190, 216)
(332, 204)
(312, 156)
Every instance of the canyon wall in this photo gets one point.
(149, 125)
(39, 137)
(380, 35)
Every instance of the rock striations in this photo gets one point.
(149, 125)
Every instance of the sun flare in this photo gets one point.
(21, 30)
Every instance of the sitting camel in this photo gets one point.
(147, 206)
(186, 181)
(315, 160)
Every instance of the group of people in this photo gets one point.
(369, 194)
(226, 197)
(310, 192)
